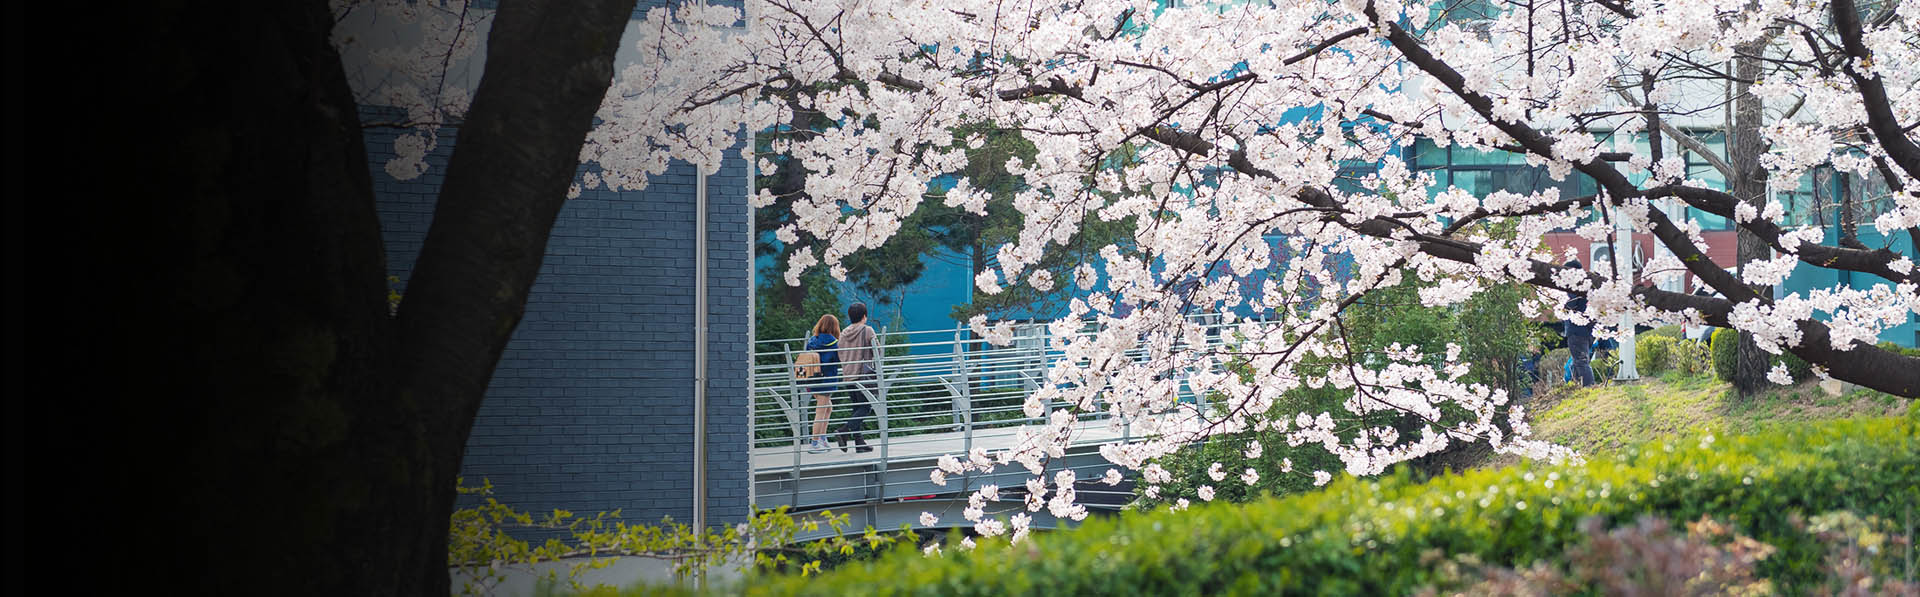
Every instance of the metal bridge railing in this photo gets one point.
(936, 392)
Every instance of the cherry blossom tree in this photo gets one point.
(1206, 96)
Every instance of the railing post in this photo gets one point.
(793, 389)
(963, 402)
(880, 382)
(793, 393)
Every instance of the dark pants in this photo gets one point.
(1581, 350)
(862, 394)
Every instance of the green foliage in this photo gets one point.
(1650, 557)
(481, 549)
(1670, 331)
(1726, 343)
(1609, 417)
(1796, 366)
(981, 233)
(774, 319)
(1493, 338)
(1692, 357)
(1605, 364)
(1889, 346)
(1553, 366)
(1726, 351)
(934, 227)
(393, 296)
(1381, 536)
(1654, 354)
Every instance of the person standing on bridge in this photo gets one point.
(823, 346)
(856, 356)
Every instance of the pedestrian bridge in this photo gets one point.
(939, 392)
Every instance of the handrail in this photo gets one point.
(966, 387)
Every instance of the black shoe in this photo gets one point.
(860, 444)
(841, 441)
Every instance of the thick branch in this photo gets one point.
(1859, 260)
(1873, 92)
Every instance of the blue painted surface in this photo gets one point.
(1806, 278)
(590, 408)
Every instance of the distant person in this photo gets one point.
(1529, 367)
(1579, 337)
(856, 357)
(823, 348)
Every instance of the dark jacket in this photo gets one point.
(1570, 329)
(829, 350)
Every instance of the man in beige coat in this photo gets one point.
(856, 356)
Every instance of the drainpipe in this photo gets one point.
(700, 363)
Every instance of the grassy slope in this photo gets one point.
(1610, 416)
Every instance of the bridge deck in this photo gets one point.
(939, 392)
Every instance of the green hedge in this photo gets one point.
(1378, 536)
(1669, 331)
(1726, 352)
(1653, 354)
(1726, 347)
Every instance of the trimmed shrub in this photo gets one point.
(1796, 366)
(1726, 351)
(1380, 536)
(1726, 346)
(1653, 354)
(1693, 356)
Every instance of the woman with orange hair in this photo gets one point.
(822, 347)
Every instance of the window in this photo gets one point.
(1814, 202)
(1473, 15)
(1482, 173)
(1698, 168)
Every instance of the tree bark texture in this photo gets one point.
(277, 432)
(1748, 185)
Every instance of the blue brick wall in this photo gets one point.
(590, 408)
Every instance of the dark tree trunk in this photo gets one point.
(1749, 184)
(281, 434)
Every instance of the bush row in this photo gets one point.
(1381, 536)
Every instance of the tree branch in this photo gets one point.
(1873, 92)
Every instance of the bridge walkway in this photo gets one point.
(940, 392)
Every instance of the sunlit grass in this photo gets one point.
(1618, 414)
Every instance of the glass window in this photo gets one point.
(1471, 14)
(1715, 141)
(1698, 169)
(1802, 205)
(1426, 155)
(1471, 157)
(1709, 221)
(1475, 182)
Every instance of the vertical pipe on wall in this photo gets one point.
(700, 361)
